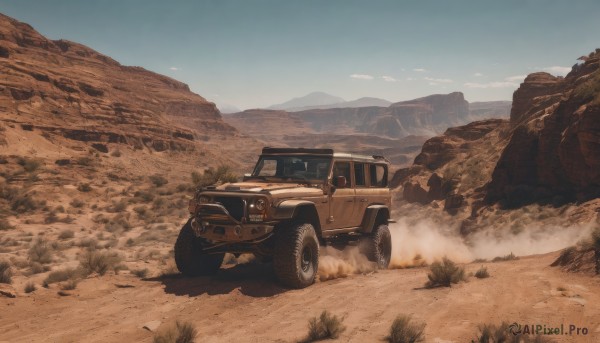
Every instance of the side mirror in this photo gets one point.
(340, 182)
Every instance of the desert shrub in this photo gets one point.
(444, 274)
(30, 165)
(50, 218)
(61, 275)
(144, 196)
(5, 272)
(19, 200)
(141, 273)
(118, 206)
(37, 268)
(69, 285)
(181, 333)
(29, 287)
(479, 260)
(5, 225)
(40, 252)
(182, 187)
(77, 203)
(211, 176)
(508, 257)
(66, 234)
(158, 180)
(140, 210)
(403, 331)
(87, 242)
(85, 161)
(482, 273)
(94, 261)
(115, 153)
(326, 326)
(84, 187)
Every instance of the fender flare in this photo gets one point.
(371, 214)
(289, 209)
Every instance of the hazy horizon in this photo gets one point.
(251, 54)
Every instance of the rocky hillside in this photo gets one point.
(68, 92)
(548, 153)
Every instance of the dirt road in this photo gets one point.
(244, 304)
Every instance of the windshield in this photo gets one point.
(293, 167)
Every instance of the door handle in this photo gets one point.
(363, 200)
(351, 200)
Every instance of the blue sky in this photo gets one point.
(254, 53)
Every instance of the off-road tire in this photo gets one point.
(296, 255)
(189, 257)
(377, 246)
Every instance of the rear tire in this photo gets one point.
(189, 256)
(296, 255)
(377, 246)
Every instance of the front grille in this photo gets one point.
(233, 205)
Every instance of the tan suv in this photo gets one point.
(294, 201)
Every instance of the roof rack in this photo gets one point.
(269, 150)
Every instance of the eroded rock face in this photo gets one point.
(554, 151)
(69, 89)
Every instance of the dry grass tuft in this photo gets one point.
(326, 326)
(403, 331)
(40, 252)
(482, 273)
(94, 261)
(509, 257)
(444, 274)
(5, 272)
(181, 333)
(29, 287)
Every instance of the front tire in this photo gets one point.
(296, 255)
(189, 256)
(377, 246)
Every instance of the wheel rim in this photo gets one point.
(306, 260)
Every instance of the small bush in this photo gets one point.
(403, 331)
(66, 234)
(61, 276)
(118, 206)
(325, 327)
(115, 153)
(158, 180)
(93, 261)
(508, 257)
(5, 272)
(222, 174)
(181, 333)
(30, 165)
(85, 161)
(444, 274)
(77, 203)
(141, 273)
(84, 187)
(5, 225)
(482, 273)
(37, 268)
(29, 287)
(69, 285)
(40, 252)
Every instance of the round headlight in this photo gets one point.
(260, 204)
(203, 199)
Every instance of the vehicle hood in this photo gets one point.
(273, 188)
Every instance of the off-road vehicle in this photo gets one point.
(294, 201)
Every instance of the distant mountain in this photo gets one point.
(227, 108)
(362, 102)
(309, 100)
(367, 102)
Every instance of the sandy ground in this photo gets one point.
(244, 304)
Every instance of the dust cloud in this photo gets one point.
(423, 241)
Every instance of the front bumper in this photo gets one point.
(214, 223)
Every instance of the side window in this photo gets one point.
(378, 175)
(342, 169)
(359, 174)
